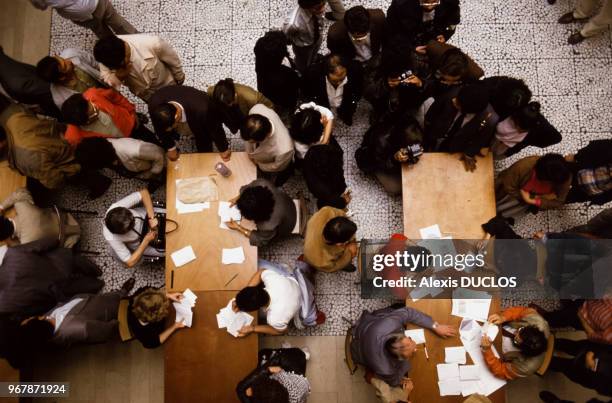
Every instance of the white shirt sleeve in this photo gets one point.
(321, 109)
(128, 201)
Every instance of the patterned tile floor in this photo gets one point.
(215, 39)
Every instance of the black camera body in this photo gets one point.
(414, 152)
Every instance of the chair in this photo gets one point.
(301, 207)
(348, 357)
(122, 316)
(550, 348)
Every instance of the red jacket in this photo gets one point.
(122, 111)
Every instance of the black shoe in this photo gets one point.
(128, 285)
(575, 38)
(569, 18)
(350, 268)
(330, 16)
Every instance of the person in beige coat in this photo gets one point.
(329, 244)
(143, 63)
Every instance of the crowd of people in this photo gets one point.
(65, 120)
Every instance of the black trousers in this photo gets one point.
(574, 368)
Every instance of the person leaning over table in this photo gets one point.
(525, 334)
(147, 312)
(269, 207)
(379, 344)
(329, 243)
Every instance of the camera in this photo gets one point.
(406, 74)
(412, 152)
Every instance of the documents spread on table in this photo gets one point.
(417, 335)
(233, 321)
(471, 304)
(183, 256)
(227, 213)
(184, 308)
(454, 355)
(233, 256)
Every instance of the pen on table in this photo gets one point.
(231, 279)
(172, 279)
(426, 353)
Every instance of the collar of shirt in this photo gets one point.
(335, 94)
(183, 114)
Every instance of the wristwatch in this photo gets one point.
(435, 325)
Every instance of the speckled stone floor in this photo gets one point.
(215, 39)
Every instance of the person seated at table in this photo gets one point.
(269, 207)
(385, 147)
(181, 109)
(37, 148)
(329, 244)
(72, 71)
(462, 121)
(526, 127)
(323, 171)
(35, 276)
(130, 157)
(268, 143)
(592, 168)
(102, 112)
(525, 334)
(277, 82)
(335, 83)
(147, 313)
(280, 376)
(379, 344)
(32, 223)
(234, 101)
(310, 125)
(507, 95)
(532, 184)
(84, 319)
(283, 295)
(129, 230)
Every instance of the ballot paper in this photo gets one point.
(417, 335)
(447, 371)
(233, 256)
(183, 256)
(185, 208)
(3, 250)
(469, 372)
(455, 355)
(471, 304)
(228, 213)
(469, 388)
(450, 387)
(431, 232)
(490, 330)
(233, 321)
(183, 309)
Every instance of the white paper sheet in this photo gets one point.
(455, 355)
(447, 371)
(189, 297)
(240, 320)
(233, 256)
(490, 330)
(469, 372)
(471, 304)
(3, 250)
(431, 232)
(450, 387)
(183, 309)
(417, 335)
(228, 213)
(183, 256)
(469, 388)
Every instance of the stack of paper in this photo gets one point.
(233, 321)
(184, 308)
(471, 304)
(490, 330)
(227, 213)
(233, 256)
(455, 355)
(183, 256)
(448, 379)
(417, 335)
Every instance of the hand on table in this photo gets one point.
(469, 163)
(245, 331)
(179, 325)
(226, 155)
(231, 224)
(445, 331)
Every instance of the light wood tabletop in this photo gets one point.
(204, 363)
(438, 190)
(201, 230)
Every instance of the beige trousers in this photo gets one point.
(599, 22)
(337, 8)
(106, 20)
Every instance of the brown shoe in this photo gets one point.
(569, 18)
(575, 38)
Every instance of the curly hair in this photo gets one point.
(150, 305)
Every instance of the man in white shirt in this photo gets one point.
(303, 28)
(98, 15)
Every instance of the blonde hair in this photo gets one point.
(151, 305)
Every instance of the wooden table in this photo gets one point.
(205, 363)
(438, 190)
(201, 230)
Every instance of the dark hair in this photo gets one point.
(453, 63)
(75, 110)
(406, 132)
(163, 116)
(473, 98)
(510, 94)
(6, 228)
(310, 3)
(268, 390)
(333, 61)
(48, 68)
(119, 220)
(252, 298)
(357, 20)
(306, 126)
(395, 61)
(270, 50)
(392, 344)
(35, 333)
(224, 92)
(4, 103)
(110, 51)
(533, 341)
(339, 230)
(94, 153)
(527, 116)
(325, 159)
(552, 168)
(256, 203)
(256, 127)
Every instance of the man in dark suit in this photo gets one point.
(335, 83)
(360, 35)
(462, 121)
(413, 23)
(179, 108)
